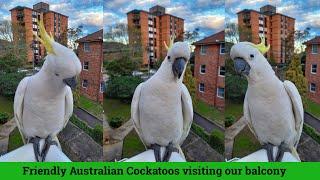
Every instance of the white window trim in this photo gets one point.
(310, 88)
(221, 48)
(204, 69)
(218, 94)
(200, 88)
(219, 72)
(315, 48)
(83, 66)
(101, 91)
(201, 53)
(84, 86)
(316, 69)
(84, 49)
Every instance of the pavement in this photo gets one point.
(78, 145)
(312, 121)
(308, 149)
(205, 123)
(5, 131)
(91, 120)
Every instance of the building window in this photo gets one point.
(85, 83)
(222, 71)
(201, 87)
(312, 87)
(86, 65)
(314, 48)
(102, 87)
(86, 47)
(222, 48)
(203, 69)
(203, 49)
(314, 69)
(220, 92)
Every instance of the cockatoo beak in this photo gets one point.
(178, 66)
(71, 82)
(241, 66)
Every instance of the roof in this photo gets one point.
(96, 36)
(252, 10)
(213, 39)
(24, 7)
(315, 40)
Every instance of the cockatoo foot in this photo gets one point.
(35, 141)
(281, 150)
(169, 149)
(47, 143)
(156, 149)
(269, 148)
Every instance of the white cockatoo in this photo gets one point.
(161, 107)
(43, 103)
(273, 108)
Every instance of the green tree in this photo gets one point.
(9, 83)
(121, 67)
(122, 87)
(190, 83)
(295, 75)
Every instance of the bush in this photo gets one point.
(97, 133)
(116, 122)
(9, 83)
(216, 140)
(229, 120)
(3, 117)
(122, 87)
(311, 132)
(200, 132)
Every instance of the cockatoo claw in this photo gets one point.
(281, 150)
(269, 148)
(35, 141)
(47, 143)
(156, 148)
(169, 149)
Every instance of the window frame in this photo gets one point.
(203, 47)
(200, 70)
(199, 88)
(220, 71)
(222, 97)
(86, 47)
(224, 48)
(312, 49)
(85, 87)
(315, 69)
(83, 66)
(310, 87)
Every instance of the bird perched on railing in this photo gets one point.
(272, 108)
(43, 103)
(161, 107)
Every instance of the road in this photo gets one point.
(312, 121)
(206, 124)
(91, 120)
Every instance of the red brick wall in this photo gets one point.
(212, 59)
(313, 78)
(93, 74)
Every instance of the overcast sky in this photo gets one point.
(306, 12)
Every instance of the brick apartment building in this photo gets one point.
(278, 30)
(312, 71)
(153, 27)
(90, 53)
(209, 69)
(26, 18)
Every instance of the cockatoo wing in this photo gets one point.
(18, 105)
(68, 106)
(246, 114)
(187, 111)
(297, 108)
(135, 115)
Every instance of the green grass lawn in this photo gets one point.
(91, 106)
(6, 105)
(208, 111)
(132, 145)
(15, 140)
(233, 109)
(245, 143)
(313, 108)
(116, 108)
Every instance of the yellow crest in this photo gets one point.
(171, 43)
(45, 39)
(261, 47)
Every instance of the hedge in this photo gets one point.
(3, 117)
(311, 132)
(215, 139)
(116, 122)
(96, 133)
(229, 121)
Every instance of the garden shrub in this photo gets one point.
(116, 122)
(216, 140)
(229, 120)
(3, 117)
(311, 132)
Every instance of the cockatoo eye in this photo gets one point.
(56, 74)
(252, 56)
(168, 57)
